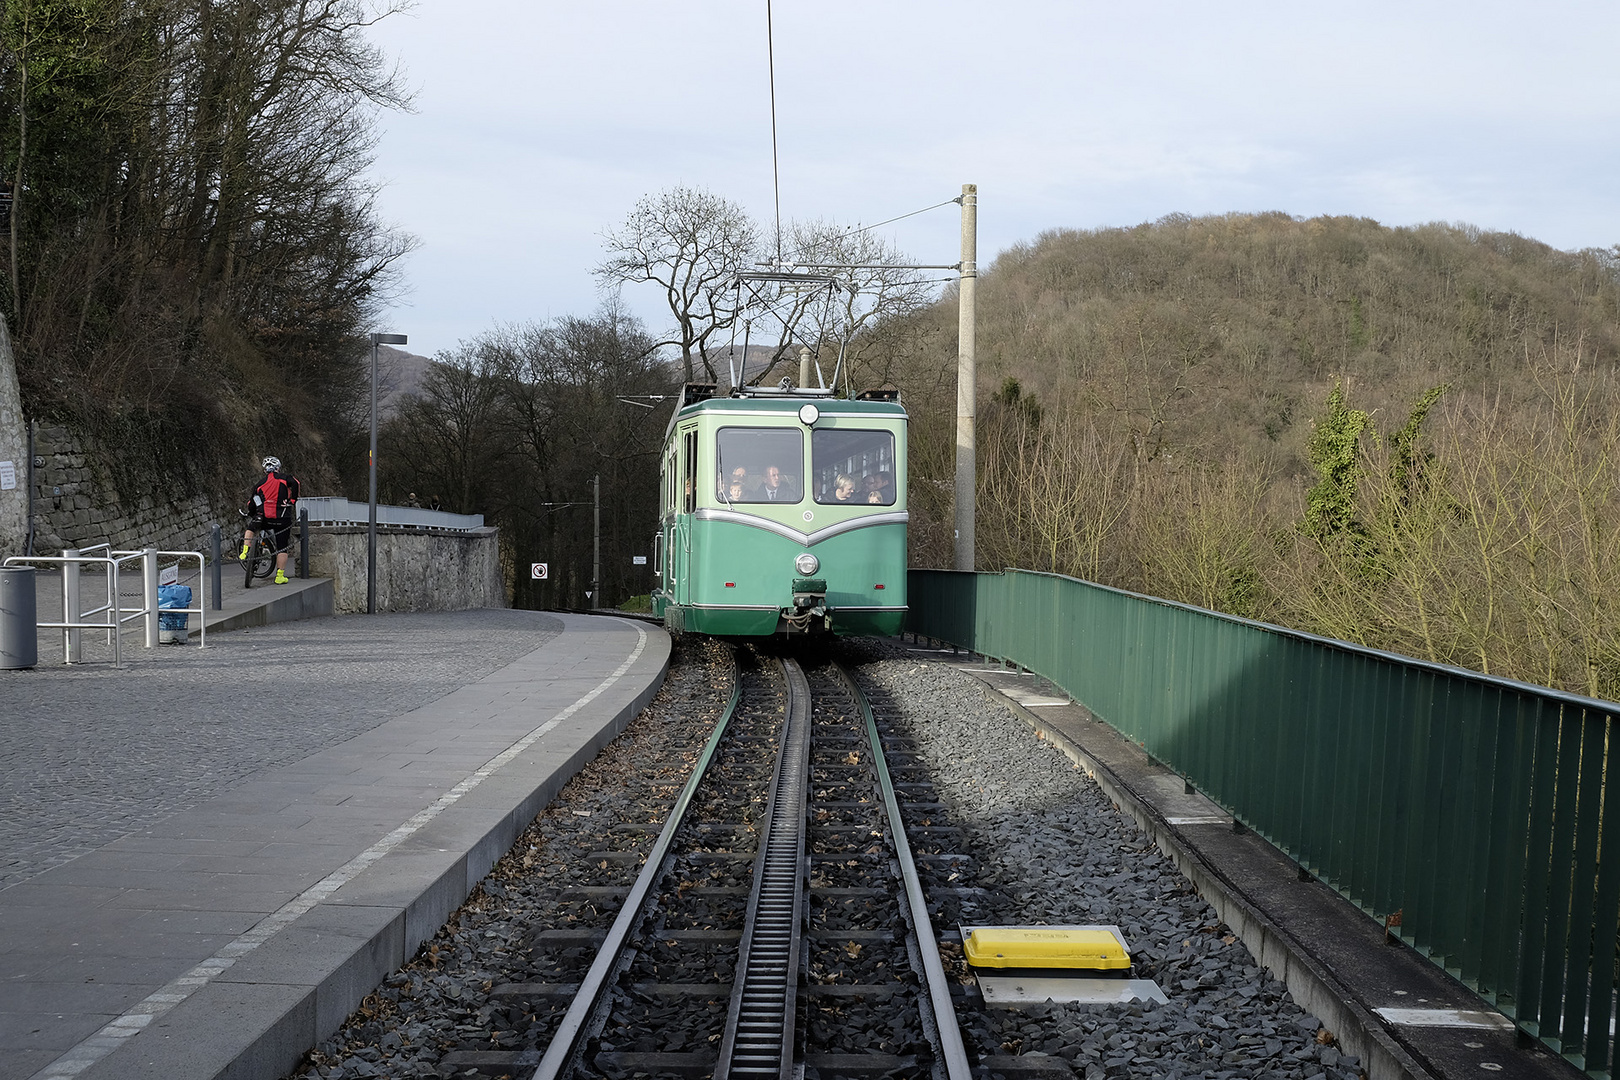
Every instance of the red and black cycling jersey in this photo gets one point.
(276, 497)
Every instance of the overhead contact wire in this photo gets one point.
(889, 221)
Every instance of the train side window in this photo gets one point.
(853, 467)
(689, 451)
(758, 465)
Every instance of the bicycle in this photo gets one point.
(260, 558)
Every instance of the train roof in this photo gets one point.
(787, 405)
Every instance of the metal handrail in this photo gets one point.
(113, 609)
(336, 510)
(69, 627)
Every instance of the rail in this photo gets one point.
(1467, 813)
(953, 1053)
(568, 1039)
(111, 616)
(333, 510)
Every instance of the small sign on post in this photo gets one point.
(638, 560)
(538, 571)
(169, 575)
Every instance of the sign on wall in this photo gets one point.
(539, 571)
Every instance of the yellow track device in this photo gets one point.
(1075, 948)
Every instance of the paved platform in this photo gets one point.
(1402, 1016)
(212, 855)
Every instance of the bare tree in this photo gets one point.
(692, 243)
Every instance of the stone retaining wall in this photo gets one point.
(76, 503)
(417, 570)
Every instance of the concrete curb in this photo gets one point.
(313, 599)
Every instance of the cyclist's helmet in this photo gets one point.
(272, 464)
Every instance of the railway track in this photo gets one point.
(778, 923)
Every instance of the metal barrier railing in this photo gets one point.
(111, 617)
(334, 510)
(1468, 812)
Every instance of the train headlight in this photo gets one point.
(807, 563)
(808, 414)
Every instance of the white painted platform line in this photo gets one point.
(1206, 819)
(1447, 1018)
(109, 1038)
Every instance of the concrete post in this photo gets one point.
(966, 465)
(149, 595)
(72, 609)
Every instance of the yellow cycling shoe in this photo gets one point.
(281, 578)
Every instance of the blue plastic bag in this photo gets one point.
(173, 596)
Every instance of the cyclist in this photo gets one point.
(272, 506)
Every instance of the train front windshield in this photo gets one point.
(849, 466)
(759, 465)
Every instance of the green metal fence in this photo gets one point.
(1472, 806)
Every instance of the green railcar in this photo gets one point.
(782, 512)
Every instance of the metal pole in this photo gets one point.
(303, 543)
(965, 445)
(116, 602)
(214, 538)
(371, 526)
(149, 595)
(28, 546)
(72, 609)
(596, 548)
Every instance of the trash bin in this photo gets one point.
(172, 626)
(19, 632)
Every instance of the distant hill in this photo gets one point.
(1203, 335)
(1405, 437)
(398, 373)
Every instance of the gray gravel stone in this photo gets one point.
(1054, 843)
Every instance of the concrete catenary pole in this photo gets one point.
(965, 446)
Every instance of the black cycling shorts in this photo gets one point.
(279, 531)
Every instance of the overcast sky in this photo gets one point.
(538, 125)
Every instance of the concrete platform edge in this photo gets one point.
(313, 599)
(338, 994)
(254, 1046)
(1313, 987)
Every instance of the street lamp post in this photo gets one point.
(371, 529)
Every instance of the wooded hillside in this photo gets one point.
(191, 252)
(1403, 437)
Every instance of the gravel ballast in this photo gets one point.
(1051, 842)
(1048, 847)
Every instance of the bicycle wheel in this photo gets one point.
(261, 559)
(267, 558)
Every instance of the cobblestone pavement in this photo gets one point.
(90, 753)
